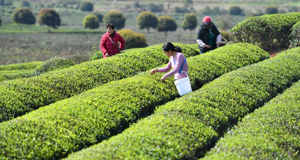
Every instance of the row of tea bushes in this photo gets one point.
(50, 87)
(54, 131)
(14, 74)
(271, 132)
(267, 31)
(20, 66)
(218, 105)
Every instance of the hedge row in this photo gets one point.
(270, 32)
(54, 131)
(213, 108)
(47, 88)
(14, 74)
(20, 66)
(271, 132)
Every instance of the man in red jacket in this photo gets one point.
(109, 42)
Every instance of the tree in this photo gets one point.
(133, 39)
(235, 10)
(25, 4)
(91, 21)
(49, 17)
(98, 14)
(115, 17)
(147, 20)
(23, 15)
(155, 8)
(189, 22)
(87, 6)
(0, 22)
(166, 23)
(271, 10)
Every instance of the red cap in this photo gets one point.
(207, 19)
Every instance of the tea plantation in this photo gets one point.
(244, 105)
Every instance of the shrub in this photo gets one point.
(269, 133)
(189, 22)
(295, 35)
(91, 21)
(235, 10)
(54, 64)
(226, 35)
(147, 20)
(115, 17)
(87, 6)
(49, 17)
(155, 8)
(271, 10)
(166, 23)
(211, 110)
(25, 4)
(20, 66)
(71, 81)
(133, 39)
(270, 32)
(23, 15)
(99, 113)
(0, 22)
(98, 14)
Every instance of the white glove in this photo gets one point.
(203, 45)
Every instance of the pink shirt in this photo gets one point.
(179, 59)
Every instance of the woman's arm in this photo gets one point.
(102, 44)
(165, 69)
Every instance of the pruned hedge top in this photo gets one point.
(268, 31)
(201, 117)
(104, 111)
(50, 87)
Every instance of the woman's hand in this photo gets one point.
(208, 46)
(153, 71)
(163, 78)
(106, 54)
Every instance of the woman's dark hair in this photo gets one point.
(110, 25)
(169, 46)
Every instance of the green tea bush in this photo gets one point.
(211, 110)
(271, 132)
(20, 66)
(14, 74)
(50, 87)
(133, 39)
(270, 32)
(101, 112)
(54, 64)
(295, 35)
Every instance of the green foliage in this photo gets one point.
(71, 81)
(98, 14)
(87, 6)
(235, 10)
(271, 132)
(49, 17)
(97, 114)
(226, 35)
(25, 4)
(54, 64)
(270, 32)
(115, 17)
(147, 20)
(21, 70)
(189, 22)
(219, 105)
(133, 39)
(295, 35)
(91, 21)
(20, 66)
(23, 15)
(154, 7)
(166, 23)
(271, 10)
(0, 22)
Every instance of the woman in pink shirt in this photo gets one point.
(177, 62)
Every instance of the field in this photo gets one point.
(60, 104)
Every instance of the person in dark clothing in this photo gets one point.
(209, 37)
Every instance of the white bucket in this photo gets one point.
(183, 86)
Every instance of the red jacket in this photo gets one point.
(107, 46)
